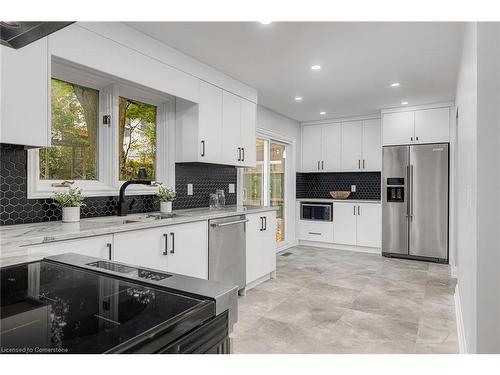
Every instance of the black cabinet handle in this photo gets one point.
(322, 165)
(239, 153)
(363, 163)
(359, 211)
(173, 243)
(165, 252)
(110, 251)
(354, 210)
(261, 223)
(411, 138)
(318, 165)
(265, 222)
(243, 154)
(202, 148)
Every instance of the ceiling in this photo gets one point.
(359, 61)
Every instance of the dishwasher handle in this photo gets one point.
(228, 223)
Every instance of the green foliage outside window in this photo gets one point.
(73, 154)
(137, 137)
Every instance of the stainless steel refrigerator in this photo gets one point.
(415, 201)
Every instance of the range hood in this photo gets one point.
(18, 34)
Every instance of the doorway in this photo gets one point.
(265, 184)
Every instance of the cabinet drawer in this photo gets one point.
(315, 231)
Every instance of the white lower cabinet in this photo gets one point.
(260, 245)
(315, 231)
(357, 224)
(344, 223)
(99, 247)
(181, 249)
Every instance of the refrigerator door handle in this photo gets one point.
(411, 191)
(408, 198)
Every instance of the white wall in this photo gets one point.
(466, 102)
(288, 129)
(488, 187)
(477, 186)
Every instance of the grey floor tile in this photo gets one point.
(335, 301)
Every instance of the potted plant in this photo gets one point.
(166, 196)
(70, 202)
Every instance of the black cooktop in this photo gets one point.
(50, 307)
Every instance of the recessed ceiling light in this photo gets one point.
(316, 67)
(322, 113)
(298, 98)
(404, 103)
(265, 22)
(395, 84)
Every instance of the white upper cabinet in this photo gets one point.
(372, 147)
(331, 147)
(247, 131)
(423, 125)
(210, 123)
(24, 115)
(347, 146)
(352, 135)
(231, 128)
(220, 129)
(311, 148)
(432, 125)
(398, 128)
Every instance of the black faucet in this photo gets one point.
(122, 207)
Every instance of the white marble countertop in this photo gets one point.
(338, 200)
(14, 237)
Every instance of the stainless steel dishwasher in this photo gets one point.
(227, 250)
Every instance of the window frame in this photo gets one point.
(110, 89)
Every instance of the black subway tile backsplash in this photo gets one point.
(15, 208)
(319, 185)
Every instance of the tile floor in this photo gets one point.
(332, 301)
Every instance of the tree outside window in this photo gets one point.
(137, 139)
(73, 155)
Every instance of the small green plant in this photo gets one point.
(165, 194)
(71, 198)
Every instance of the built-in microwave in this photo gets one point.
(316, 211)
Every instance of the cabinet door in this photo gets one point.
(369, 224)
(248, 136)
(99, 247)
(332, 141)
(24, 91)
(351, 145)
(311, 148)
(144, 248)
(260, 245)
(344, 223)
(432, 125)
(210, 123)
(188, 249)
(372, 147)
(398, 128)
(231, 119)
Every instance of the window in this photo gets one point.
(104, 131)
(137, 140)
(73, 155)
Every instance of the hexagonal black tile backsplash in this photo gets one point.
(319, 185)
(15, 208)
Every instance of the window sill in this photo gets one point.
(43, 192)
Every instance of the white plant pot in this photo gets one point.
(166, 207)
(70, 214)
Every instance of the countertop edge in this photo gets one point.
(338, 200)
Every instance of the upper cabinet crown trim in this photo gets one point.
(417, 107)
(342, 119)
(146, 45)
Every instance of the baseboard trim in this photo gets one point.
(326, 245)
(259, 281)
(282, 248)
(462, 344)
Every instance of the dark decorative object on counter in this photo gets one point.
(15, 208)
(319, 185)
